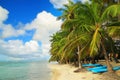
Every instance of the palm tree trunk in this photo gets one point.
(109, 66)
(79, 59)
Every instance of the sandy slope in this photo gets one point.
(66, 72)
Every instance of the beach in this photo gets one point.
(66, 72)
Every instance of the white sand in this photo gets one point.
(66, 72)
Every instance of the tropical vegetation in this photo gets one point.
(88, 29)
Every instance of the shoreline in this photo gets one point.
(66, 72)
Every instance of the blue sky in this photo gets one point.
(25, 11)
(26, 27)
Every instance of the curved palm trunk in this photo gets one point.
(109, 66)
(79, 59)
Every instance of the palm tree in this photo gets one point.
(57, 41)
(70, 26)
(68, 14)
(100, 36)
(95, 18)
(99, 32)
(87, 30)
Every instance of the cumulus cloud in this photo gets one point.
(45, 24)
(58, 3)
(3, 14)
(18, 49)
(7, 30)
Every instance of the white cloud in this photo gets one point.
(58, 3)
(45, 24)
(9, 31)
(45, 49)
(3, 14)
(18, 49)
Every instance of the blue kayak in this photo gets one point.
(95, 68)
(116, 68)
(94, 65)
(99, 70)
(104, 69)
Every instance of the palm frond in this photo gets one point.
(114, 31)
(95, 42)
(111, 11)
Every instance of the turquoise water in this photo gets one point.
(24, 71)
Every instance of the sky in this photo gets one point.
(26, 27)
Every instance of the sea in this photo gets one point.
(25, 71)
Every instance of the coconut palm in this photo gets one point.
(97, 21)
(57, 42)
(68, 14)
(87, 30)
(99, 18)
(67, 11)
